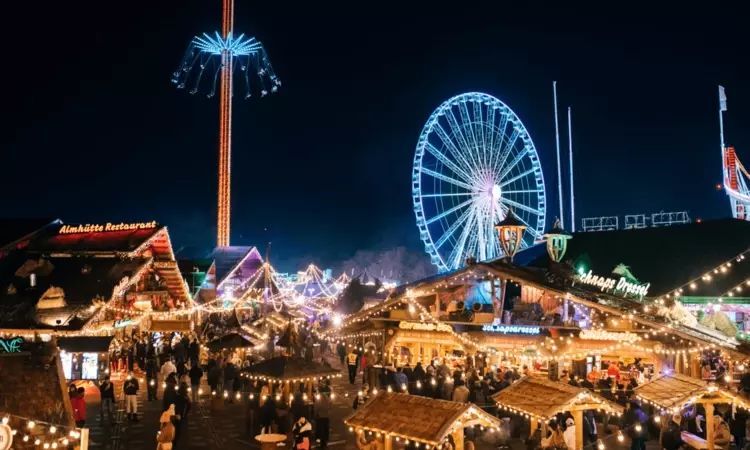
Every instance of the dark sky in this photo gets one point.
(95, 131)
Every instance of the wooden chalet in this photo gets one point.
(393, 416)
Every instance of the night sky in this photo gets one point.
(94, 131)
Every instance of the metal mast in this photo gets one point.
(225, 129)
(559, 169)
(572, 194)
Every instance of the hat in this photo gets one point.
(570, 422)
(166, 416)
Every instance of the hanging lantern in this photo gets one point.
(557, 241)
(511, 231)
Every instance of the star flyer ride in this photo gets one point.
(734, 174)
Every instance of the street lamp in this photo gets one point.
(511, 230)
(557, 241)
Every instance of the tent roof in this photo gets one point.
(543, 398)
(232, 340)
(675, 390)
(417, 418)
(284, 368)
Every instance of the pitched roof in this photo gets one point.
(12, 230)
(231, 340)
(283, 368)
(543, 398)
(85, 344)
(81, 279)
(233, 258)
(416, 418)
(666, 257)
(104, 241)
(675, 390)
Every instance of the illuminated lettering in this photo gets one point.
(12, 345)
(94, 228)
(622, 286)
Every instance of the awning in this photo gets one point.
(170, 326)
(231, 340)
(85, 344)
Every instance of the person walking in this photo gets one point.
(152, 378)
(194, 351)
(229, 374)
(195, 381)
(352, 359)
(131, 397)
(341, 351)
(107, 395)
(170, 391)
(671, 436)
(167, 368)
(166, 430)
(301, 432)
(322, 418)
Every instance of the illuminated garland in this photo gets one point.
(708, 276)
(56, 435)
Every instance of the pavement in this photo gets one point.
(221, 425)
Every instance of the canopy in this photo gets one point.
(543, 399)
(284, 368)
(417, 418)
(231, 340)
(674, 390)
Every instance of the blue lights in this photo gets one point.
(206, 54)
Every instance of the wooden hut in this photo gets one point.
(284, 370)
(671, 392)
(540, 399)
(419, 419)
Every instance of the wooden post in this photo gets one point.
(84, 439)
(502, 297)
(709, 425)
(695, 366)
(458, 439)
(437, 306)
(533, 425)
(388, 441)
(578, 418)
(565, 311)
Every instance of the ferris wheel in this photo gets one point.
(474, 161)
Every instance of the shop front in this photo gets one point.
(85, 357)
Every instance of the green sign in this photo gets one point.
(12, 345)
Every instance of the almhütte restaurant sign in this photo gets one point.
(98, 228)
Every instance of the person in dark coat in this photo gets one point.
(152, 375)
(195, 381)
(170, 391)
(341, 351)
(299, 408)
(671, 436)
(738, 427)
(252, 408)
(268, 414)
(194, 351)
(182, 406)
(419, 373)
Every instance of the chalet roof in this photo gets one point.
(416, 418)
(228, 259)
(87, 344)
(543, 399)
(81, 280)
(104, 241)
(13, 230)
(284, 368)
(675, 390)
(666, 257)
(232, 340)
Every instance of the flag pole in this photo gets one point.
(572, 194)
(559, 169)
(722, 108)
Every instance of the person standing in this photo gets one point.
(182, 407)
(131, 397)
(301, 432)
(152, 375)
(352, 365)
(107, 390)
(194, 350)
(167, 368)
(229, 374)
(671, 436)
(195, 381)
(166, 431)
(79, 407)
(341, 351)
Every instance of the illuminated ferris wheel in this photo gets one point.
(474, 161)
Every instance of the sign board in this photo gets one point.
(425, 326)
(498, 327)
(601, 335)
(6, 437)
(11, 345)
(98, 228)
(170, 326)
(622, 286)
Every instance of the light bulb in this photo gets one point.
(52, 429)
(31, 424)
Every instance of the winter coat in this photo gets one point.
(130, 387)
(195, 375)
(107, 390)
(461, 394)
(79, 407)
(671, 437)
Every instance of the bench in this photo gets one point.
(694, 441)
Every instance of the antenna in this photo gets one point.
(559, 169)
(572, 194)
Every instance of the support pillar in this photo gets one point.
(565, 311)
(533, 425)
(458, 439)
(578, 418)
(709, 425)
(388, 442)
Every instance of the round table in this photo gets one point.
(270, 441)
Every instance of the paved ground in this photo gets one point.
(224, 428)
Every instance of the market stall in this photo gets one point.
(85, 357)
(539, 400)
(670, 393)
(284, 371)
(404, 418)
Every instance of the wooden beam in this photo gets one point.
(710, 425)
(578, 418)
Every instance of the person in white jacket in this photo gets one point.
(167, 368)
(570, 434)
